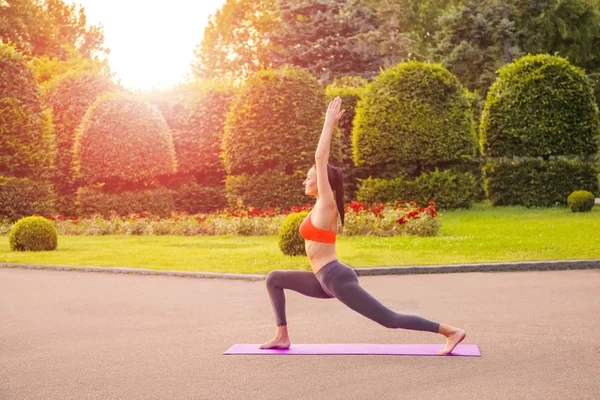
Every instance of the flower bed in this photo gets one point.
(378, 220)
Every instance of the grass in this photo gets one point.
(482, 234)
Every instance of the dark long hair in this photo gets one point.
(336, 181)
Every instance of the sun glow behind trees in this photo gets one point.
(151, 43)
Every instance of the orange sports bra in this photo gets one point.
(310, 232)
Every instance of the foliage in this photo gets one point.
(537, 183)
(474, 40)
(350, 96)
(540, 106)
(391, 219)
(581, 201)
(448, 189)
(269, 189)
(235, 42)
(123, 139)
(198, 142)
(33, 234)
(289, 240)
(325, 38)
(49, 28)
(22, 197)
(69, 98)
(193, 198)
(415, 116)
(274, 123)
(94, 200)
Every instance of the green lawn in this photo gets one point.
(482, 234)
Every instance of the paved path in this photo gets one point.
(71, 335)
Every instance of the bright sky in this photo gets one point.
(151, 42)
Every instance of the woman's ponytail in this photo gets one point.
(336, 181)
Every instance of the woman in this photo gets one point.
(329, 277)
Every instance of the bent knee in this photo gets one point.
(272, 278)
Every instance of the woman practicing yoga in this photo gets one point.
(329, 277)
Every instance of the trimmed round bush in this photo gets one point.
(17, 80)
(581, 201)
(270, 189)
(26, 140)
(289, 239)
(198, 143)
(537, 183)
(33, 234)
(69, 96)
(415, 116)
(540, 106)
(275, 123)
(123, 139)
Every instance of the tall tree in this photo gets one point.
(407, 27)
(570, 28)
(326, 38)
(235, 42)
(474, 40)
(49, 28)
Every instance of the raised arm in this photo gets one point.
(332, 116)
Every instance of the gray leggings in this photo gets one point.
(340, 281)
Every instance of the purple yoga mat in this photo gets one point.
(357, 348)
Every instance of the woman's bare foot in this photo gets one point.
(276, 343)
(280, 341)
(453, 337)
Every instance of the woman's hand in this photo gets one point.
(334, 114)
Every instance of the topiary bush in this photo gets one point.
(270, 189)
(448, 189)
(122, 139)
(350, 96)
(33, 234)
(272, 129)
(581, 201)
(195, 198)
(416, 117)
(17, 80)
(289, 240)
(198, 143)
(26, 141)
(69, 96)
(94, 200)
(540, 106)
(22, 197)
(537, 183)
(274, 123)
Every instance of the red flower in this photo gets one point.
(412, 214)
(378, 209)
(432, 203)
(400, 202)
(296, 209)
(432, 212)
(357, 206)
(401, 221)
